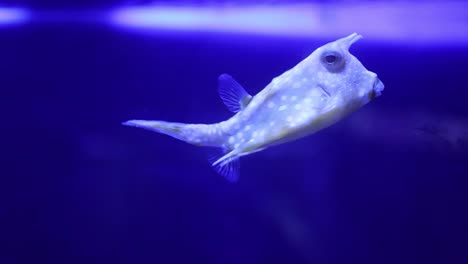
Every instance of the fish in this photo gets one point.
(322, 89)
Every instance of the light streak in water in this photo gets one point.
(9, 16)
(409, 22)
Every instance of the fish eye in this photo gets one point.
(332, 60)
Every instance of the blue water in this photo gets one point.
(388, 184)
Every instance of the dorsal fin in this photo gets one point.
(232, 93)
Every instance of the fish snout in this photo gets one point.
(378, 86)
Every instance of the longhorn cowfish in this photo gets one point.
(320, 90)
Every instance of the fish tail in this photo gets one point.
(196, 134)
(224, 161)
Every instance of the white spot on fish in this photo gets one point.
(297, 106)
(293, 98)
(282, 108)
(247, 128)
(361, 92)
(283, 98)
(315, 92)
(231, 140)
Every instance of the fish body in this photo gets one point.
(319, 91)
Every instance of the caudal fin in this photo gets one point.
(225, 164)
(197, 134)
(175, 130)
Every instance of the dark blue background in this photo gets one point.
(385, 185)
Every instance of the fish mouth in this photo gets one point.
(350, 40)
(378, 87)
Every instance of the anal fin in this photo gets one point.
(225, 164)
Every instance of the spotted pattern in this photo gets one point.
(299, 102)
(293, 102)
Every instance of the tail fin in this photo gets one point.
(196, 134)
(199, 135)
